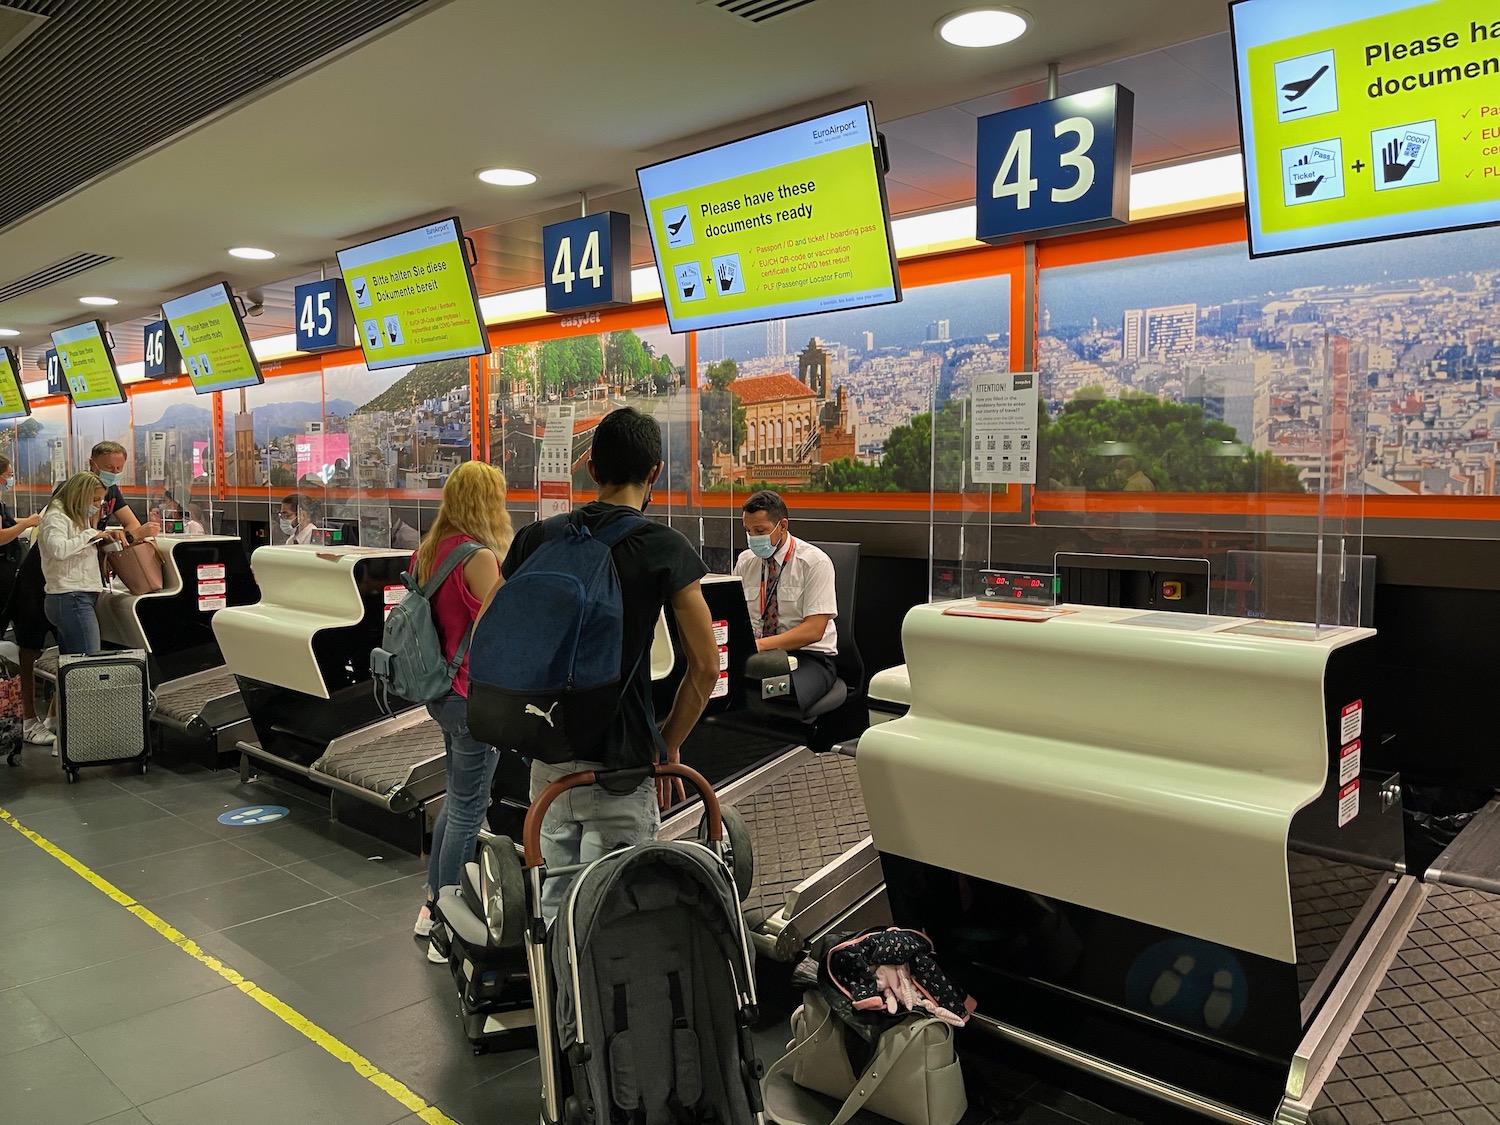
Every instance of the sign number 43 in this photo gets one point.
(1015, 178)
(1055, 167)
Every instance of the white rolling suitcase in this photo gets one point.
(103, 704)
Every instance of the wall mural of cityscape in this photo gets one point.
(1191, 371)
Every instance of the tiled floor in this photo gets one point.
(102, 1019)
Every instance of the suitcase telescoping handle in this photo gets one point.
(625, 780)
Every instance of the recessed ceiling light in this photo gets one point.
(97, 301)
(983, 27)
(9, 332)
(507, 177)
(253, 252)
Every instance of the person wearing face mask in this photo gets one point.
(28, 602)
(789, 590)
(296, 519)
(68, 543)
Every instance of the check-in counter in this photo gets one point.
(1105, 819)
(301, 656)
(197, 703)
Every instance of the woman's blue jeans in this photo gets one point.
(77, 624)
(471, 769)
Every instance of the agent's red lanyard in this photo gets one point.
(769, 592)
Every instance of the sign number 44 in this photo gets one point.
(589, 268)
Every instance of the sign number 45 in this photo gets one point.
(1017, 164)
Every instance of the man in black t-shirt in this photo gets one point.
(656, 565)
(27, 609)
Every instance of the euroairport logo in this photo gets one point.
(835, 132)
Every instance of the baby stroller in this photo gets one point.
(11, 723)
(643, 988)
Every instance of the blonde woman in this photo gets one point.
(473, 511)
(68, 540)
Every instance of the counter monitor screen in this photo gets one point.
(211, 336)
(413, 297)
(785, 223)
(13, 402)
(1366, 119)
(88, 365)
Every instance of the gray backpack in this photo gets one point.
(409, 663)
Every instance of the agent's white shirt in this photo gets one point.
(806, 588)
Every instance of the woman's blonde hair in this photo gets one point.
(473, 505)
(75, 496)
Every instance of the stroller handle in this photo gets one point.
(531, 832)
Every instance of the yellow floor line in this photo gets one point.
(285, 1013)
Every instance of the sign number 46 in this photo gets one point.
(1015, 178)
(589, 268)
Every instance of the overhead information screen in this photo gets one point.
(1366, 119)
(211, 337)
(413, 297)
(785, 223)
(88, 367)
(13, 402)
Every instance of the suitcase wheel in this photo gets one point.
(143, 765)
(72, 776)
(13, 758)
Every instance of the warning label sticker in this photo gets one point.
(721, 632)
(1351, 722)
(206, 588)
(210, 572)
(208, 605)
(721, 687)
(1348, 802)
(1349, 763)
(393, 595)
(723, 657)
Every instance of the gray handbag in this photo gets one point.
(914, 1077)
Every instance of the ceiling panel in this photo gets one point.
(371, 157)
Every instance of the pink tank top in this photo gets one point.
(453, 610)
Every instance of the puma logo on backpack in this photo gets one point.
(533, 709)
(550, 646)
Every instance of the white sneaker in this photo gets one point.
(433, 955)
(36, 733)
(424, 920)
(50, 722)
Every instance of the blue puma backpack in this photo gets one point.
(544, 664)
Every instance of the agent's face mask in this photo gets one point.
(109, 480)
(286, 526)
(93, 513)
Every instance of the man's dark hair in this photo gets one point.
(627, 447)
(769, 502)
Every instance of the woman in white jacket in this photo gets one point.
(69, 543)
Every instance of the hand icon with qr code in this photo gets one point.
(1394, 171)
(726, 277)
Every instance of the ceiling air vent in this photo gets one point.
(47, 275)
(757, 11)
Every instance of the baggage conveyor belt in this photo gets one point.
(815, 864)
(396, 763)
(1428, 1046)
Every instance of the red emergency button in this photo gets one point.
(1171, 591)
